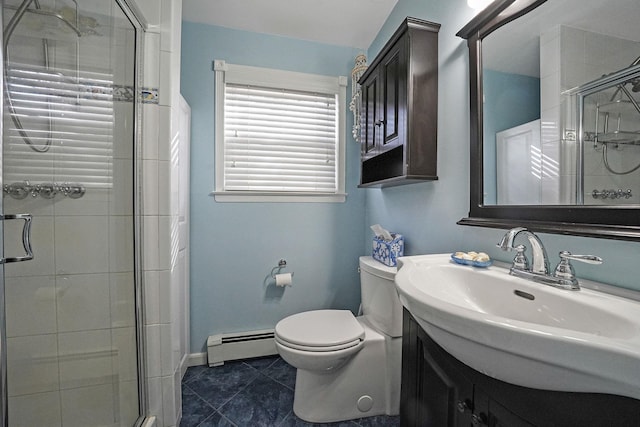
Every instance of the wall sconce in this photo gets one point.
(359, 69)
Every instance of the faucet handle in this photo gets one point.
(565, 270)
(589, 259)
(520, 261)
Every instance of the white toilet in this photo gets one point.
(348, 367)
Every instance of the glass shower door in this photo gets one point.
(68, 160)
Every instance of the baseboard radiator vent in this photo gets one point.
(243, 345)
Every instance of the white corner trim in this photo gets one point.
(149, 422)
(184, 364)
(219, 127)
(219, 65)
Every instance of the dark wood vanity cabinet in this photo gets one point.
(440, 391)
(433, 393)
(399, 108)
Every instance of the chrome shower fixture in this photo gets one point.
(47, 190)
(612, 194)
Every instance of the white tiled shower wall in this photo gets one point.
(70, 323)
(68, 275)
(570, 57)
(164, 273)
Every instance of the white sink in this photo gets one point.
(522, 332)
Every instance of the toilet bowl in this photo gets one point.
(347, 367)
(321, 340)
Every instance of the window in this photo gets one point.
(279, 135)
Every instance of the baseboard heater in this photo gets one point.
(243, 345)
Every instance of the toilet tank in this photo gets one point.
(380, 302)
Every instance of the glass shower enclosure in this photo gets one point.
(70, 270)
(609, 138)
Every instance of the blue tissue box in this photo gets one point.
(387, 252)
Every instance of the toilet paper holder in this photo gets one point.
(281, 264)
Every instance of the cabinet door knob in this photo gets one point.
(478, 420)
(462, 406)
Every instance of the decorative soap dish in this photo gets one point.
(483, 262)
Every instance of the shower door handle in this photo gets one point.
(26, 238)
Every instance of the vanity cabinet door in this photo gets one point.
(438, 390)
(499, 416)
(432, 395)
(488, 412)
(435, 393)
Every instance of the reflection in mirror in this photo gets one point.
(609, 112)
(561, 114)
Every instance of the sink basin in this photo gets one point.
(522, 332)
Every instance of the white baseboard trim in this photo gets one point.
(196, 359)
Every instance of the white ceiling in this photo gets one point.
(516, 48)
(353, 23)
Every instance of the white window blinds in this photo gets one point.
(279, 135)
(279, 140)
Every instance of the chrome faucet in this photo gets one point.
(563, 276)
(539, 259)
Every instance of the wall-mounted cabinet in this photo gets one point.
(399, 119)
(438, 390)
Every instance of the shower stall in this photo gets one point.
(70, 282)
(609, 138)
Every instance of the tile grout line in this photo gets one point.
(199, 397)
(278, 382)
(221, 415)
(237, 393)
(286, 417)
(259, 373)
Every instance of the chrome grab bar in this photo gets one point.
(26, 238)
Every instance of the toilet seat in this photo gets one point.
(320, 331)
(316, 348)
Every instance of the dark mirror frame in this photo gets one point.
(611, 222)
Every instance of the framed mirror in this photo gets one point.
(555, 117)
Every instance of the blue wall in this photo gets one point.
(235, 245)
(427, 213)
(510, 100)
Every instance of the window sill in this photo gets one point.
(277, 197)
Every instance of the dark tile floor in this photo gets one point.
(250, 393)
